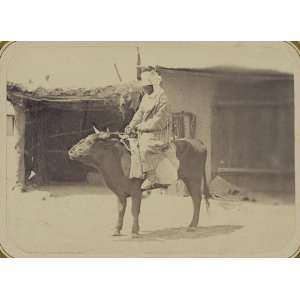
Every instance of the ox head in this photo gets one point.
(91, 147)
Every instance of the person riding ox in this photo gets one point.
(153, 123)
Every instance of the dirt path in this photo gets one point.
(79, 221)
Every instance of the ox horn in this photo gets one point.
(96, 130)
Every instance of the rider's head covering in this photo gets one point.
(150, 78)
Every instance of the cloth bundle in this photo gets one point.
(167, 168)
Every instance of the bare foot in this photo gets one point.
(135, 235)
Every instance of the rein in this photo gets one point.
(123, 137)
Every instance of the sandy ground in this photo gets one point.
(79, 220)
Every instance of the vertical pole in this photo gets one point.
(138, 65)
(118, 73)
(20, 119)
(41, 149)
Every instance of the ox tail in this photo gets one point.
(205, 185)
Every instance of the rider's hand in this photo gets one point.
(128, 130)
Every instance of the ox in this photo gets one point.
(104, 152)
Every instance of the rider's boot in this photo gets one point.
(149, 181)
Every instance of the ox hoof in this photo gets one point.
(116, 233)
(135, 235)
(191, 229)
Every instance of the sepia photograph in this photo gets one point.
(149, 149)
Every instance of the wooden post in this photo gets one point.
(42, 175)
(138, 65)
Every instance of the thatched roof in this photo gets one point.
(79, 98)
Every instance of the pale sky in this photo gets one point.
(91, 65)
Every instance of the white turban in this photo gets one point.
(150, 78)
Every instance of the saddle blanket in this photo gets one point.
(166, 170)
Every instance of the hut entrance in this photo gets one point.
(52, 132)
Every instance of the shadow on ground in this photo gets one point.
(182, 233)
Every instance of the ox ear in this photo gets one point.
(96, 130)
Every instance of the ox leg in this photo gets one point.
(135, 210)
(195, 191)
(122, 203)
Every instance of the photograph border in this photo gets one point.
(5, 44)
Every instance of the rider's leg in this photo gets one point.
(149, 163)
